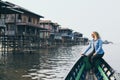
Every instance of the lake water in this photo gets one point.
(49, 64)
(112, 55)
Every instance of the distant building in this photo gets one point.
(52, 27)
(85, 40)
(66, 34)
(77, 34)
(77, 37)
(23, 28)
(22, 25)
(6, 9)
(26, 23)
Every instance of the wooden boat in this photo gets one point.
(81, 70)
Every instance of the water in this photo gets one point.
(112, 55)
(49, 64)
(45, 64)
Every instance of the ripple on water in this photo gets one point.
(55, 64)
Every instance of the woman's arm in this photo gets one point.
(87, 49)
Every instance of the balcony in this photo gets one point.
(9, 21)
(2, 23)
(10, 33)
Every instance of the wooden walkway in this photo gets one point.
(90, 76)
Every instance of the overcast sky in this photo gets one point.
(83, 16)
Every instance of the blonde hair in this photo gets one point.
(97, 34)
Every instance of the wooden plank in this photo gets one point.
(90, 76)
(103, 73)
(80, 72)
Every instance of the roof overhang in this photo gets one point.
(28, 12)
(3, 4)
(8, 10)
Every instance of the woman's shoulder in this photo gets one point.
(100, 40)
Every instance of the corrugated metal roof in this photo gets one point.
(14, 6)
(6, 8)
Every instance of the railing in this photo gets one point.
(28, 24)
(12, 33)
(104, 71)
(78, 72)
(2, 22)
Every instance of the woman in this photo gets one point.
(96, 45)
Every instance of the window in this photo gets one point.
(24, 19)
(29, 19)
(19, 16)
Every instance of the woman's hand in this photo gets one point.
(94, 54)
(81, 53)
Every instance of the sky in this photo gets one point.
(84, 16)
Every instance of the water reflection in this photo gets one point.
(14, 65)
(45, 64)
(54, 63)
(48, 64)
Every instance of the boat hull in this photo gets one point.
(82, 70)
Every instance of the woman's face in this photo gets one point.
(93, 35)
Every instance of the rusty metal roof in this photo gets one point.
(5, 8)
(26, 11)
